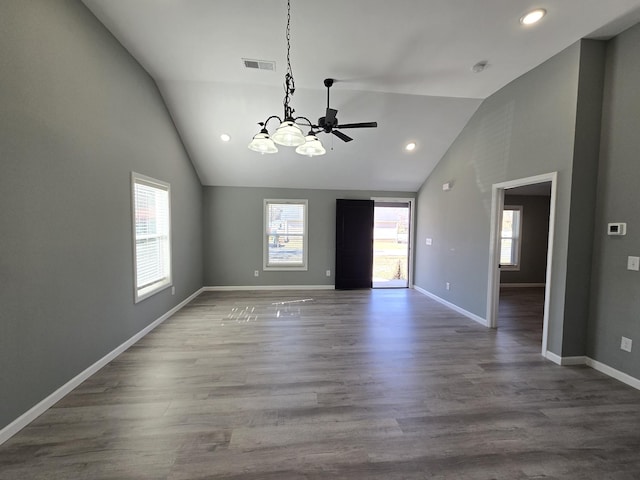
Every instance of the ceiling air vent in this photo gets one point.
(259, 64)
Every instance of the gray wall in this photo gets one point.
(77, 115)
(535, 233)
(527, 128)
(584, 179)
(233, 230)
(615, 305)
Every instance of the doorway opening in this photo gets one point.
(523, 259)
(521, 252)
(392, 232)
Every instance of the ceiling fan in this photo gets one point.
(289, 132)
(329, 123)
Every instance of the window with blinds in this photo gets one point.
(285, 235)
(510, 240)
(152, 236)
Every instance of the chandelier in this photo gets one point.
(288, 132)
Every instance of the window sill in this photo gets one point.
(285, 269)
(509, 268)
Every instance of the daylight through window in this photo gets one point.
(510, 238)
(285, 237)
(152, 236)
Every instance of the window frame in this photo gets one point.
(142, 292)
(516, 240)
(304, 265)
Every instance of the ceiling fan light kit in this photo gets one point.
(289, 132)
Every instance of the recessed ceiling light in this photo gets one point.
(224, 137)
(533, 16)
(409, 147)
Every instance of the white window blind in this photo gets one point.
(152, 236)
(285, 238)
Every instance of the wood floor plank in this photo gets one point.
(380, 384)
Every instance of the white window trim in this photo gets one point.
(146, 292)
(515, 267)
(265, 237)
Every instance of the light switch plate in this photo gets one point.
(633, 263)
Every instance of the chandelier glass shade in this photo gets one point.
(288, 134)
(261, 143)
(311, 147)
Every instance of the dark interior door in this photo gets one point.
(354, 243)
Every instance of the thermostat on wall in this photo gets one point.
(617, 229)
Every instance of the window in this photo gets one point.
(510, 238)
(151, 235)
(285, 235)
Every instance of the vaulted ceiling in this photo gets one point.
(406, 64)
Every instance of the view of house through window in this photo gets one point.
(510, 238)
(152, 235)
(285, 239)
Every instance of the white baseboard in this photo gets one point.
(599, 366)
(569, 361)
(557, 359)
(231, 288)
(612, 372)
(452, 306)
(522, 285)
(565, 361)
(30, 415)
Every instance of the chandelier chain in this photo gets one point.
(289, 84)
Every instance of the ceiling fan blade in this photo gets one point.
(341, 136)
(330, 117)
(359, 125)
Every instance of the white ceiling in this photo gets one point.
(405, 64)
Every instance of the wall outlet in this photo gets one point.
(625, 344)
(447, 286)
(173, 290)
(256, 273)
(328, 273)
(429, 241)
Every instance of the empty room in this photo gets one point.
(299, 240)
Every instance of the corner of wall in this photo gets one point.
(584, 177)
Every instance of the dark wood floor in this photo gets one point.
(382, 384)
(521, 312)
